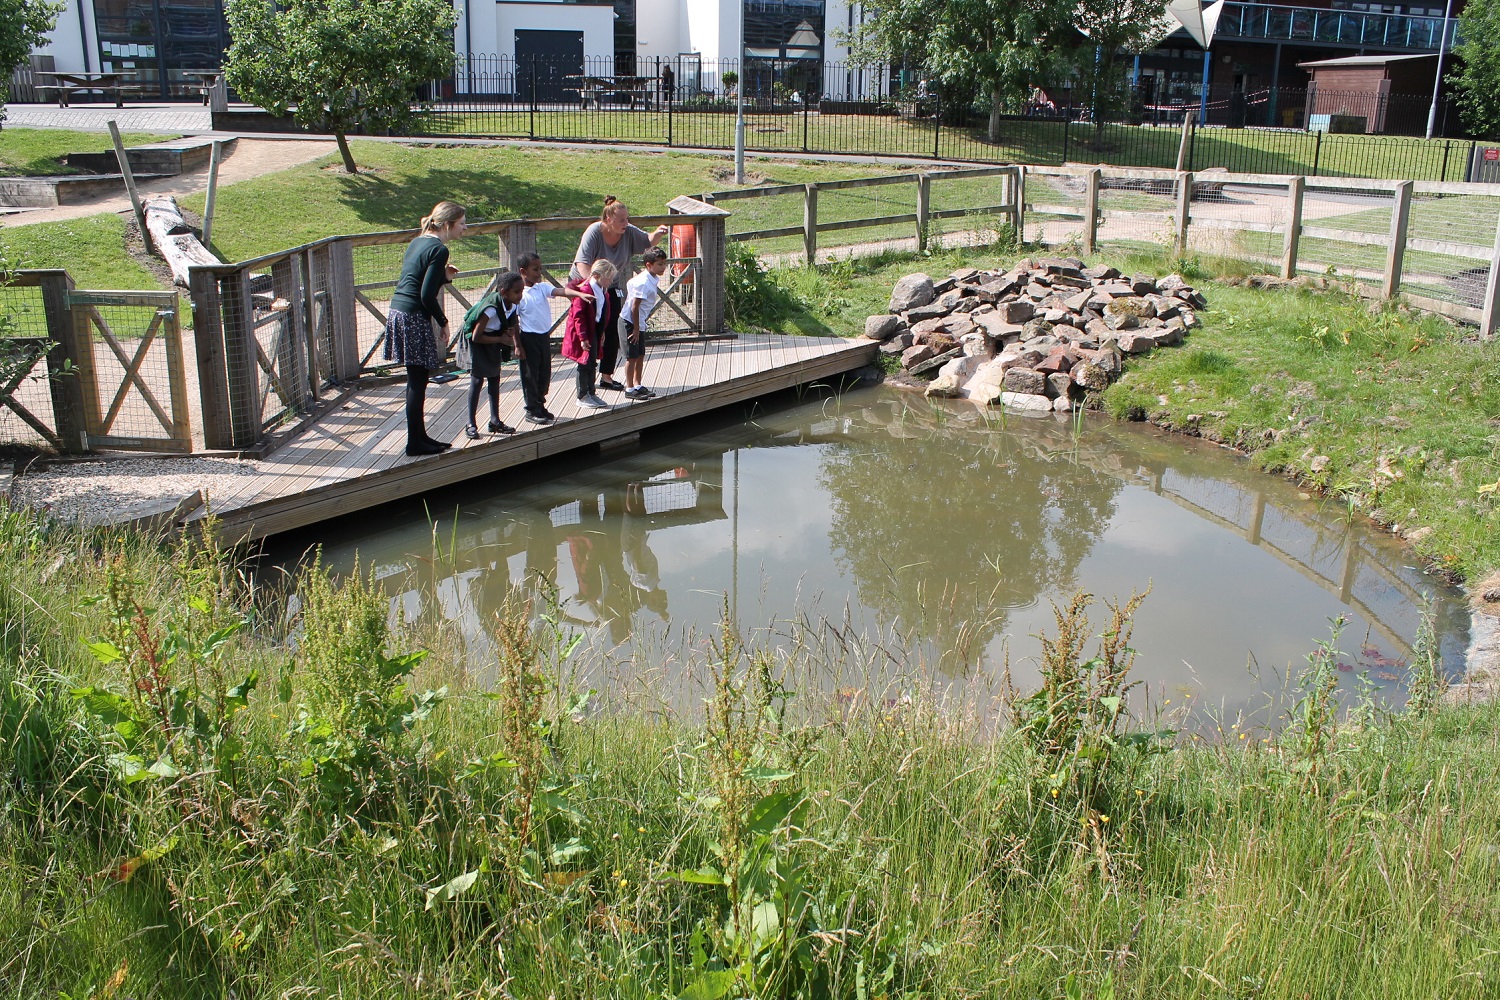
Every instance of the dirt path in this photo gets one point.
(247, 158)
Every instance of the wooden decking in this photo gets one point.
(354, 457)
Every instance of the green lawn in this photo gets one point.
(35, 152)
(1400, 407)
(1021, 141)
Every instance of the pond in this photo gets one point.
(933, 526)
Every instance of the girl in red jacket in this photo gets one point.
(588, 318)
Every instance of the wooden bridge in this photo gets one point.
(353, 456)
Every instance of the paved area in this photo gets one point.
(189, 119)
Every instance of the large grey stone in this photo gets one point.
(936, 362)
(1058, 384)
(1024, 380)
(945, 386)
(911, 291)
(915, 355)
(1025, 401)
(882, 328)
(1015, 310)
(933, 310)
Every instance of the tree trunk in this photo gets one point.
(993, 132)
(350, 167)
(174, 240)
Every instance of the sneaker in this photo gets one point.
(639, 392)
(501, 427)
(609, 383)
(540, 418)
(593, 402)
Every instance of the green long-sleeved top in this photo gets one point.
(424, 272)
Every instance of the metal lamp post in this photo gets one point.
(739, 105)
(1437, 81)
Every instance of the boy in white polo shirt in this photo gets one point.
(642, 293)
(534, 346)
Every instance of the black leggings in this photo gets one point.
(416, 399)
(475, 383)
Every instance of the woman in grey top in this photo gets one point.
(614, 239)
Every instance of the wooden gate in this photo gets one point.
(129, 360)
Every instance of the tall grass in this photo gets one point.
(371, 825)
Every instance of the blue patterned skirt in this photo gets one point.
(408, 339)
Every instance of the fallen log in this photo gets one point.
(174, 239)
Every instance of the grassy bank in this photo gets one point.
(194, 805)
(38, 152)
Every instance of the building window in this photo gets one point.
(159, 39)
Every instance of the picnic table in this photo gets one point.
(592, 89)
(203, 80)
(116, 82)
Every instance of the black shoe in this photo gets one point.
(439, 445)
(609, 383)
(472, 431)
(501, 427)
(539, 418)
(417, 448)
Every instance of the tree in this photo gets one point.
(1113, 29)
(23, 26)
(1478, 73)
(336, 65)
(999, 46)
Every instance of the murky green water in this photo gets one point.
(881, 511)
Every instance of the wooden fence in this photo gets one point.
(282, 336)
(1436, 243)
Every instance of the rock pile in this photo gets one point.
(1039, 336)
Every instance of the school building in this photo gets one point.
(1253, 48)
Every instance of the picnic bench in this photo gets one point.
(115, 83)
(592, 90)
(202, 81)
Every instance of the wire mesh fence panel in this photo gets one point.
(132, 370)
(985, 205)
(1136, 212)
(763, 215)
(376, 268)
(842, 206)
(1055, 205)
(1345, 231)
(26, 416)
(1244, 220)
(1450, 239)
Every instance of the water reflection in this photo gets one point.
(957, 526)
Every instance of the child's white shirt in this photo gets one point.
(645, 288)
(535, 313)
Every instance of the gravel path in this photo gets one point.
(121, 489)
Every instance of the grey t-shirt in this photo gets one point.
(592, 247)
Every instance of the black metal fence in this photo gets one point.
(831, 108)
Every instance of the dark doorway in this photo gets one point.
(544, 61)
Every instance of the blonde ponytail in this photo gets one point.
(443, 213)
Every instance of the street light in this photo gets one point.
(739, 105)
(1437, 81)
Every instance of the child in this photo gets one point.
(533, 343)
(588, 322)
(491, 328)
(641, 295)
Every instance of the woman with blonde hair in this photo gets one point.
(614, 239)
(416, 329)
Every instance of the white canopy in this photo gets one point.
(1199, 21)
